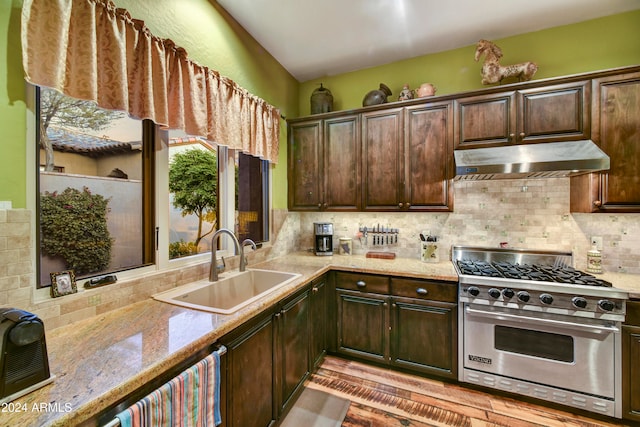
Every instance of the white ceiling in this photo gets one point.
(316, 38)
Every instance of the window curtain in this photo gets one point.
(91, 50)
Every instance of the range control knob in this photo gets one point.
(579, 302)
(523, 296)
(494, 293)
(474, 291)
(508, 293)
(546, 299)
(606, 305)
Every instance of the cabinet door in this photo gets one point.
(318, 321)
(429, 157)
(363, 326)
(554, 113)
(305, 165)
(293, 347)
(341, 169)
(616, 129)
(485, 120)
(382, 159)
(424, 336)
(631, 372)
(250, 377)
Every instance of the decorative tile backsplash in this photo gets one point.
(531, 214)
(523, 213)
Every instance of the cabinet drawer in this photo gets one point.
(424, 289)
(362, 282)
(633, 313)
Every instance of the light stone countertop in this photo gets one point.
(99, 361)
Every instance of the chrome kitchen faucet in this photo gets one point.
(213, 272)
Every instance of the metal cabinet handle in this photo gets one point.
(422, 291)
(361, 284)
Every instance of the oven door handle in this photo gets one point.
(523, 319)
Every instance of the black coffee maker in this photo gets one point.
(24, 365)
(323, 238)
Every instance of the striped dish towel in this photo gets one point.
(192, 399)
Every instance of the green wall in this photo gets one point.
(597, 44)
(215, 40)
(12, 107)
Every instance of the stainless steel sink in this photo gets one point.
(230, 293)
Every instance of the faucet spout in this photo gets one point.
(213, 272)
(243, 260)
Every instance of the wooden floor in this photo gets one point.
(384, 398)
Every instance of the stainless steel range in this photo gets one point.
(531, 324)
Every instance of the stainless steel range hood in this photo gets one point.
(543, 160)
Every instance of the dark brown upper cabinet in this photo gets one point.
(324, 164)
(541, 114)
(616, 130)
(383, 160)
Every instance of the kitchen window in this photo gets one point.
(104, 203)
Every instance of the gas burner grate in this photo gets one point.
(535, 272)
(478, 268)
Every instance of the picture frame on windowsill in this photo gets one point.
(63, 283)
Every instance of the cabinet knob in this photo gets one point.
(325, 205)
(361, 284)
(511, 136)
(314, 289)
(597, 203)
(408, 205)
(522, 134)
(319, 205)
(421, 291)
(400, 205)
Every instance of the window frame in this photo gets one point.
(156, 212)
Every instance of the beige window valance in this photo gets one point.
(91, 50)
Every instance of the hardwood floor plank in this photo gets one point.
(366, 416)
(386, 398)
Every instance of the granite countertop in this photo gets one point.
(100, 360)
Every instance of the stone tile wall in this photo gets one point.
(523, 213)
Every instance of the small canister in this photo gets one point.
(346, 246)
(429, 249)
(594, 260)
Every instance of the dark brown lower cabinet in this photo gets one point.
(424, 336)
(363, 325)
(292, 342)
(318, 320)
(631, 362)
(412, 326)
(269, 358)
(250, 374)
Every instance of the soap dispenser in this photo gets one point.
(594, 259)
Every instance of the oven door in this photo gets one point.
(554, 350)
